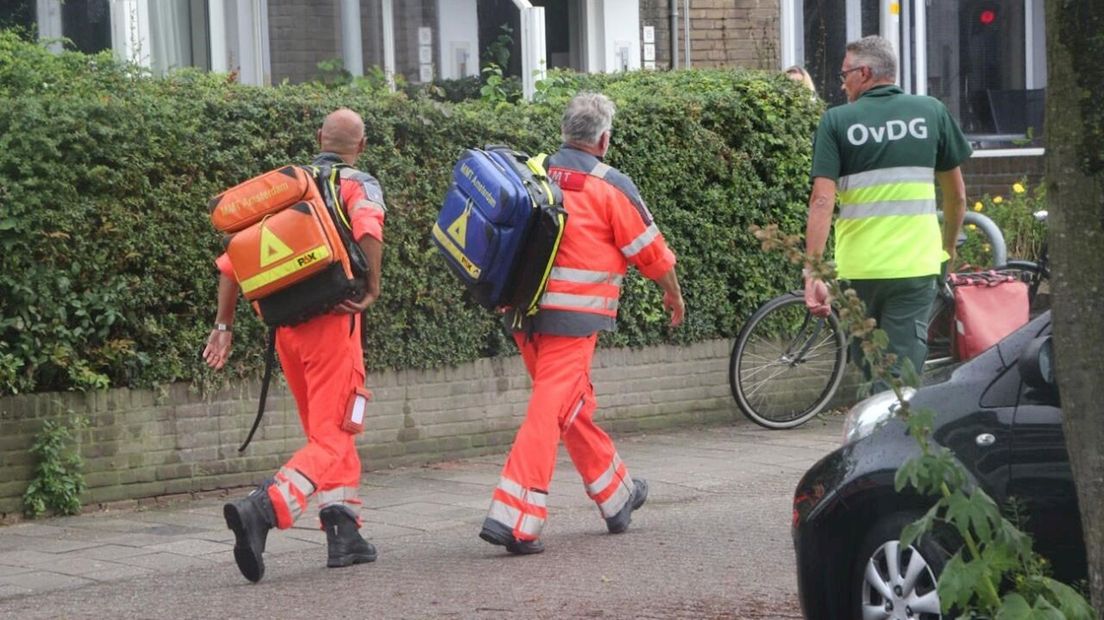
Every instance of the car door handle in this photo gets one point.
(986, 439)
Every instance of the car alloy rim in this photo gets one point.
(899, 584)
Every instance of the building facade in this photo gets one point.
(985, 59)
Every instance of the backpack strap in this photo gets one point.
(327, 177)
(270, 361)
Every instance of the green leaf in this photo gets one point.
(1069, 601)
(917, 528)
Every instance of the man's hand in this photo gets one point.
(817, 299)
(350, 306)
(217, 350)
(674, 305)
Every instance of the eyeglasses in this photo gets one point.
(843, 74)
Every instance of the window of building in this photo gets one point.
(985, 59)
(178, 35)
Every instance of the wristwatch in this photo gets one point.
(222, 327)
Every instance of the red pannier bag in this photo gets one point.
(988, 306)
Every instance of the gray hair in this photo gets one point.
(877, 53)
(587, 116)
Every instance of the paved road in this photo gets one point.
(711, 542)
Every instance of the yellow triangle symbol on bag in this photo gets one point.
(458, 230)
(272, 249)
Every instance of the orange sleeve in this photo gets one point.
(638, 237)
(365, 214)
(224, 266)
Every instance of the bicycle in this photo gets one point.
(787, 364)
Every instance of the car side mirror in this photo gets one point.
(1036, 364)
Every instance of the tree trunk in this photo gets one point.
(1075, 197)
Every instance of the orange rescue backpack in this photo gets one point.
(290, 243)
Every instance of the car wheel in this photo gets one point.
(894, 582)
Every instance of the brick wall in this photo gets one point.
(142, 444)
(409, 16)
(734, 33)
(723, 33)
(995, 175)
(302, 34)
(657, 14)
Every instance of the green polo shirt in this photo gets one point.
(883, 151)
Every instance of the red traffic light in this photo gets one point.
(987, 17)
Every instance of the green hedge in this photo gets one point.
(106, 276)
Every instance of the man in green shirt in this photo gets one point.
(882, 154)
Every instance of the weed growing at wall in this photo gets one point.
(58, 472)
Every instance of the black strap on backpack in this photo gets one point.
(270, 361)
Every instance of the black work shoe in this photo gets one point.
(250, 518)
(620, 522)
(497, 534)
(344, 544)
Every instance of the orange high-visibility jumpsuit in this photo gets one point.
(323, 361)
(608, 226)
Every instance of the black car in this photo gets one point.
(1000, 415)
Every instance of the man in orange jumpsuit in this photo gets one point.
(608, 227)
(324, 365)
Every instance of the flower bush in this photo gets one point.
(1014, 215)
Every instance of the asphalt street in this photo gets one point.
(712, 541)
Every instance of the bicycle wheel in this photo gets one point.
(941, 330)
(786, 363)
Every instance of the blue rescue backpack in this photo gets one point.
(500, 227)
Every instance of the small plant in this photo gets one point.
(493, 90)
(555, 88)
(332, 73)
(995, 573)
(498, 52)
(58, 477)
(1014, 215)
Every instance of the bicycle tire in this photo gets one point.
(941, 326)
(783, 337)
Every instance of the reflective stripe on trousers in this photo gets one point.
(347, 496)
(612, 488)
(289, 494)
(521, 510)
(561, 406)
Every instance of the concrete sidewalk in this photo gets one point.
(727, 467)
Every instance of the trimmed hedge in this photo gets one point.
(107, 278)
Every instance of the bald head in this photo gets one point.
(342, 133)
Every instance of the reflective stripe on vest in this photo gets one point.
(584, 290)
(887, 226)
(594, 303)
(586, 276)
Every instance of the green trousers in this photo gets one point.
(901, 307)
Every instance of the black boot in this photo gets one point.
(498, 534)
(344, 543)
(250, 519)
(619, 522)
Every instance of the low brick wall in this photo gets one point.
(141, 443)
(995, 175)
